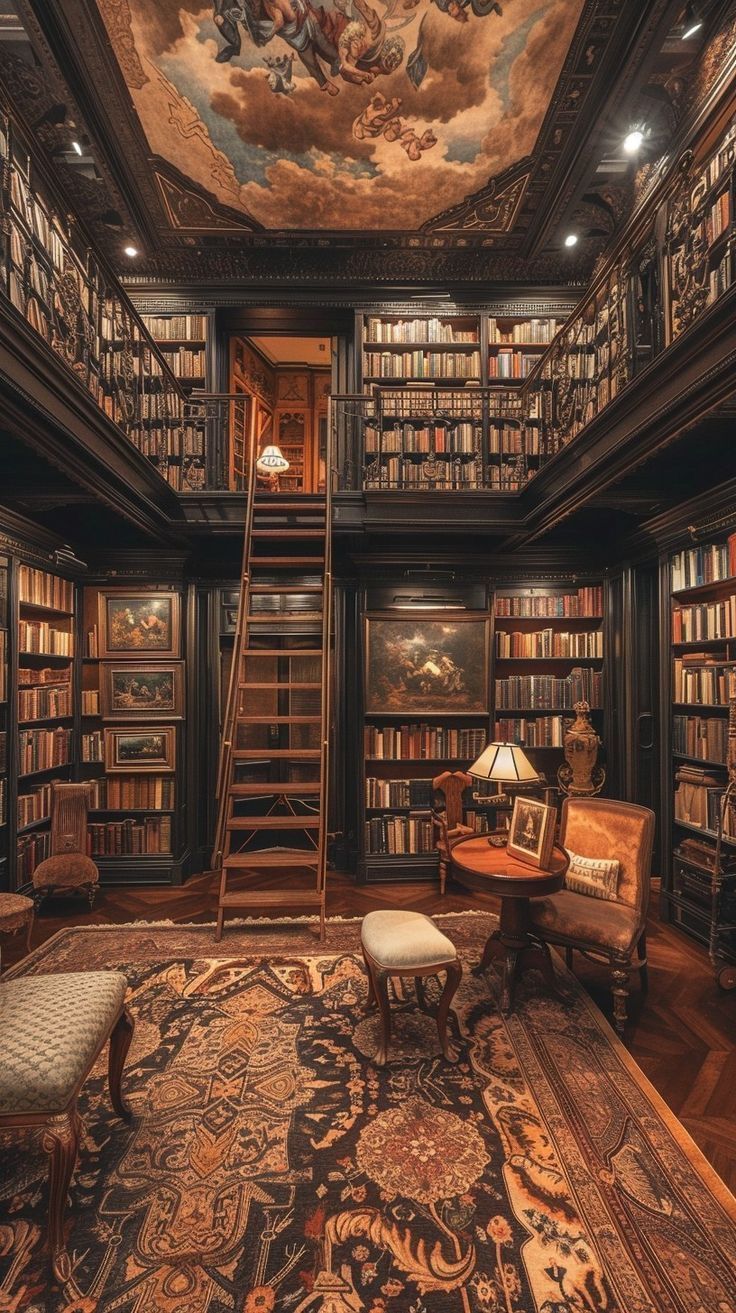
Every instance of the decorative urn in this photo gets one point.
(581, 776)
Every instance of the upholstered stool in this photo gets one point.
(16, 915)
(407, 944)
(52, 1029)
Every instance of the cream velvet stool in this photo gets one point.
(407, 944)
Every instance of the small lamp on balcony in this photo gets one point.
(503, 763)
(270, 464)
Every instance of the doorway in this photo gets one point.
(284, 381)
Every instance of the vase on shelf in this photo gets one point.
(581, 776)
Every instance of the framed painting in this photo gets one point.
(140, 750)
(532, 832)
(426, 666)
(135, 624)
(145, 690)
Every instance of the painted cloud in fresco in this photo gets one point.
(344, 114)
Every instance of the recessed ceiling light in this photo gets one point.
(692, 29)
(76, 147)
(130, 251)
(633, 140)
(571, 239)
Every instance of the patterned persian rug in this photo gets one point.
(271, 1168)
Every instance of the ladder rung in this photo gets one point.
(284, 617)
(273, 789)
(284, 562)
(283, 684)
(273, 823)
(286, 588)
(287, 857)
(243, 718)
(293, 754)
(272, 898)
(287, 533)
(281, 652)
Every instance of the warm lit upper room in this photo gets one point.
(367, 656)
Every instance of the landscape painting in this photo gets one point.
(344, 114)
(142, 691)
(135, 623)
(140, 749)
(421, 667)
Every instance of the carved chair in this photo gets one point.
(609, 931)
(68, 869)
(52, 1030)
(448, 823)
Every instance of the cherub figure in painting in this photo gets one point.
(295, 21)
(381, 118)
(364, 44)
(458, 9)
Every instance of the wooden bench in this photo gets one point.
(52, 1030)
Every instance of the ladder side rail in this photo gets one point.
(229, 719)
(326, 691)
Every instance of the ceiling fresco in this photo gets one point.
(347, 115)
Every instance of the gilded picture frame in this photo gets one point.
(146, 690)
(134, 749)
(426, 665)
(135, 624)
(532, 832)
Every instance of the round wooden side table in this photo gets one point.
(514, 944)
(16, 915)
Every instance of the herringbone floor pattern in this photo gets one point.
(683, 1034)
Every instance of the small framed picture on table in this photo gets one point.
(532, 832)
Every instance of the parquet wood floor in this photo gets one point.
(683, 1034)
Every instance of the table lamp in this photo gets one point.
(270, 464)
(503, 763)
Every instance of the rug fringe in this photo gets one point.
(248, 921)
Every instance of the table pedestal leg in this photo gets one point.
(513, 946)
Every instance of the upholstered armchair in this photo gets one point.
(68, 869)
(448, 823)
(611, 927)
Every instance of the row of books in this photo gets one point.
(704, 565)
(422, 742)
(33, 214)
(417, 330)
(3, 665)
(698, 799)
(92, 746)
(34, 806)
(132, 793)
(722, 159)
(704, 737)
(549, 691)
(719, 278)
(398, 793)
(706, 682)
(42, 749)
(3, 800)
(522, 330)
(422, 364)
(167, 328)
(44, 639)
(130, 837)
(186, 363)
(397, 472)
(43, 589)
(517, 645)
(31, 850)
(507, 477)
(537, 732)
(44, 702)
(514, 438)
(586, 603)
(508, 363)
(427, 399)
(90, 702)
(462, 437)
(719, 217)
(28, 677)
(389, 835)
(705, 621)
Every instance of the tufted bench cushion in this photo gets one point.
(402, 940)
(51, 1028)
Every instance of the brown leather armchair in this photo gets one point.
(448, 824)
(611, 932)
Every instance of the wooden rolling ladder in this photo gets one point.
(271, 838)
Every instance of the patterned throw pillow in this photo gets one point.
(593, 876)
